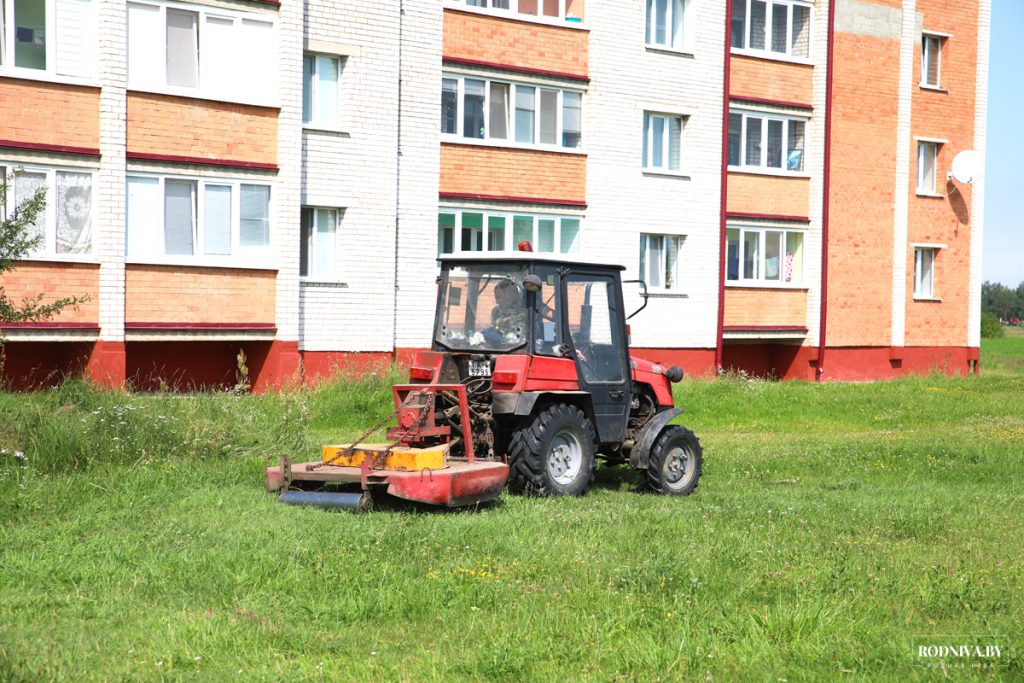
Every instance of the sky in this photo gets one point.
(1003, 253)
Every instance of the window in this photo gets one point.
(659, 260)
(478, 109)
(662, 141)
(666, 22)
(550, 9)
(65, 223)
(924, 272)
(778, 27)
(48, 36)
(469, 231)
(209, 219)
(927, 154)
(319, 240)
(931, 55)
(766, 141)
(764, 255)
(214, 53)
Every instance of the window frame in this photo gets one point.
(312, 240)
(763, 167)
(686, 35)
(48, 251)
(510, 114)
(315, 122)
(261, 257)
(645, 241)
(936, 146)
(266, 96)
(647, 152)
(766, 52)
(509, 227)
(920, 250)
(796, 281)
(563, 18)
(940, 40)
(52, 72)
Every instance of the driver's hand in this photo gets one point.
(582, 356)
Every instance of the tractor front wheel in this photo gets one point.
(553, 454)
(675, 462)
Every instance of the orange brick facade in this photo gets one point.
(497, 40)
(502, 172)
(757, 307)
(49, 113)
(55, 281)
(179, 294)
(178, 126)
(770, 80)
(765, 194)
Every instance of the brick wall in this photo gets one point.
(759, 306)
(945, 115)
(770, 80)
(49, 113)
(513, 172)
(180, 294)
(162, 124)
(54, 281)
(515, 43)
(766, 194)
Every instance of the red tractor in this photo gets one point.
(529, 382)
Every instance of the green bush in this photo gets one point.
(991, 328)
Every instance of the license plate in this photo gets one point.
(479, 368)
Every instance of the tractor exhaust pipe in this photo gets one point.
(329, 500)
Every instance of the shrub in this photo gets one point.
(991, 328)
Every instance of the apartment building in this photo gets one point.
(279, 178)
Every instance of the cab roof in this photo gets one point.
(526, 257)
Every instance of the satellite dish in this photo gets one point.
(967, 166)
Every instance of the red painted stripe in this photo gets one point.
(774, 103)
(724, 192)
(516, 68)
(765, 328)
(200, 161)
(506, 198)
(49, 326)
(42, 147)
(768, 217)
(201, 326)
(826, 181)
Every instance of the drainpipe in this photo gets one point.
(820, 369)
(398, 183)
(724, 187)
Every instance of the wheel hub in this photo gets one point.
(565, 458)
(677, 466)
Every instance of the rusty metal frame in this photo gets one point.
(399, 392)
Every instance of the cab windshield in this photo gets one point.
(483, 308)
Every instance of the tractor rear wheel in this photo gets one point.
(553, 454)
(674, 464)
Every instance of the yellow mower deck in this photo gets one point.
(400, 458)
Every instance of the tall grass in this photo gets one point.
(835, 525)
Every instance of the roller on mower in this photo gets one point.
(528, 383)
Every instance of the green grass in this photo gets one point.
(836, 525)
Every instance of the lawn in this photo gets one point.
(835, 529)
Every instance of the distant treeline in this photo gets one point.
(1001, 301)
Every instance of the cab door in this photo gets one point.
(597, 331)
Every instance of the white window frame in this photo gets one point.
(763, 167)
(312, 244)
(48, 249)
(939, 40)
(766, 51)
(459, 135)
(647, 158)
(487, 7)
(266, 95)
(797, 279)
(509, 217)
(316, 121)
(924, 286)
(52, 72)
(663, 266)
(681, 43)
(241, 256)
(926, 147)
